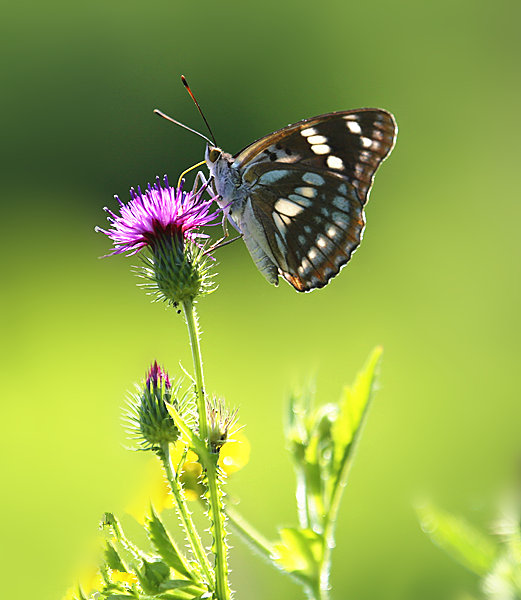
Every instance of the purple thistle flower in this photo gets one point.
(156, 376)
(159, 213)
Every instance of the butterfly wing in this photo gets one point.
(308, 184)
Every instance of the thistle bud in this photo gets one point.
(147, 418)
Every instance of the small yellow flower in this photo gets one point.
(120, 577)
(233, 456)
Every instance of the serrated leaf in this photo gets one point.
(459, 539)
(165, 546)
(299, 552)
(113, 559)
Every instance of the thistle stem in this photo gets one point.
(222, 588)
(186, 518)
(193, 334)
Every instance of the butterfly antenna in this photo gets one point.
(185, 83)
(162, 114)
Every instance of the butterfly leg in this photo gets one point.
(222, 242)
(205, 184)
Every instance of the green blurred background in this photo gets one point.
(436, 280)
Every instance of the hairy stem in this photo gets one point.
(222, 588)
(186, 519)
(195, 346)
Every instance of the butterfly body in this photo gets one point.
(297, 195)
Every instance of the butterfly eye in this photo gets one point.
(213, 154)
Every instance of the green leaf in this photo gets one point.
(353, 407)
(113, 559)
(195, 442)
(299, 552)
(459, 539)
(174, 584)
(81, 595)
(152, 574)
(165, 546)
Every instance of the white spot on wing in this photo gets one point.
(333, 162)
(321, 241)
(279, 222)
(321, 149)
(286, 220)
(272, 176)
(332, 232)
(317, 139)
(325, 211)
(307, 192)
(313, 179)
(287, 207)
(340, 219)
(306, 265)
(366, 142)
(313, 253)
(309, 131)
(354, 127)
(304, 202)
(341, 203)
(282, 249)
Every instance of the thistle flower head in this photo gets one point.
(221, 422)
(166, 221)
(147, 418)
(159, 212)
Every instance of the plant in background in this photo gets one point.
(186, 428)
(494, 557)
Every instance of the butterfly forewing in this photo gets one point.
(308, 184)
(350, 143)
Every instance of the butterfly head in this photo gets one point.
(219, 165)
(212, 155)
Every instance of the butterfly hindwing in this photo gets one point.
(308, 223)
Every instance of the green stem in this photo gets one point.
(186, 518)
(336, 497)
(193, 334)
(216, 509)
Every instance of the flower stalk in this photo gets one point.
(184, 515)
(216, 508)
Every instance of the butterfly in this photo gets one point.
(297, 195)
